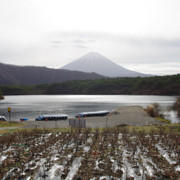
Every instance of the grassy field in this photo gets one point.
(10, 124)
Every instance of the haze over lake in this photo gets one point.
(34, 105)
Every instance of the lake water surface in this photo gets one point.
(32, 106)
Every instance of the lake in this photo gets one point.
(31, 106)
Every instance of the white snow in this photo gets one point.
(86, 148)
(177, 168)
(95, 62)
(136, 163)
(97, 164)
(89, 140)
(8, 173)
(28, 178)
(165, 154)
(2, 158)
(115, 166)
(127, 167)
(74, 168)
(55, 157)
(53, 174)
(69, 156)
(149, 169)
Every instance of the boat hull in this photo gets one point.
(23, 119)
(51, 117)
(92, 114)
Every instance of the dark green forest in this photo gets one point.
(155, 85)
(1, 95)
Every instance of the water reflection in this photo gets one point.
(172, 116)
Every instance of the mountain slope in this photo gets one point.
(26, 75)
(95, 62)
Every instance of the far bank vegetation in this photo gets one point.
(156, 85)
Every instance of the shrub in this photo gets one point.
(177, 106)
(153, 110)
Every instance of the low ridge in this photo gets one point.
(28, 75)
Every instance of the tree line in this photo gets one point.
(155, 85)
(1, 95)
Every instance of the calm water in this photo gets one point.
(35, 105)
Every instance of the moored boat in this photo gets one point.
(23, 119)
(94, 113)
(51, 117)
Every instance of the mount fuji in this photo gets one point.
(97, 63)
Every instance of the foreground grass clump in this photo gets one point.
(163, 120)
(111, 153)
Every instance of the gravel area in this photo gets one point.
(131, 115)
(128, 115)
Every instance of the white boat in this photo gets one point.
(2, 118)
(94, 113)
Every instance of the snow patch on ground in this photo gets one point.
(74, 168)
(86, 148)
(115, 166)
(56, 172)
(2, 158)
(149, 169)
(177, 168)
(165, 154)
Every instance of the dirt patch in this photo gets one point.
(121, 116)
(113, 153)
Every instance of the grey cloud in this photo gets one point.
(79, 41)
(71, 45)
(146, 41)
(55, 46)
(80, 46)
(158, 42)
(92, 37)
(166, 42)
(56, 42)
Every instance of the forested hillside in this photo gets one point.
(158, 85)
(33, 75)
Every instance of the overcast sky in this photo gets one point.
(141, 35)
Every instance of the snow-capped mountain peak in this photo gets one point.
(95, 62)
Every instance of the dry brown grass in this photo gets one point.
(177, 106)
(153, 110)
(23, 151)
